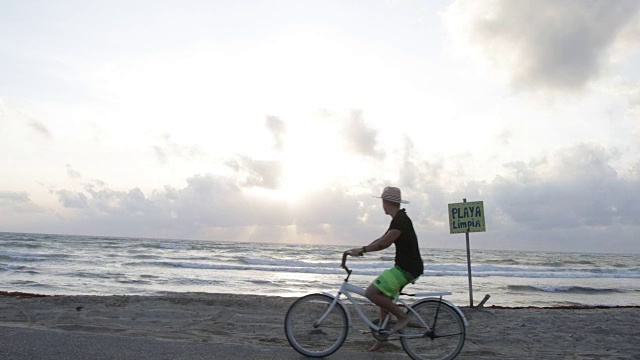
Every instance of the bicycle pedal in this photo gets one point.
(365, 331)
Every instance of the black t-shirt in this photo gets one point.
(407, 251)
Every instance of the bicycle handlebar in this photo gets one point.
(344, 263)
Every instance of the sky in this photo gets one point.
(277, 121)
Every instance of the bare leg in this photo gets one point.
(383, 314)
(379, 344)
(386, 303)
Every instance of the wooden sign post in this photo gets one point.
(466, 217)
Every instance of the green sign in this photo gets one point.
(466, 217)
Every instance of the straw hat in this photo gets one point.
(391, 193)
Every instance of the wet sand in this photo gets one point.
(257, 321)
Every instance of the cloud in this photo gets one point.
(633, 112)
(72, 199)
(504, 137)
(17, 202)
(414, 170)
(359, 138)
(545, 43)
(3, 109)
(39, 127)
(568, 198)
(572, 188)
(421, 183)
(205, 202)
(74, 174)
(169, 149)
(262, 173)
(326, 210)
(212, 207)
(278, 129)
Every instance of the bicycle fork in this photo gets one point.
(334, 303)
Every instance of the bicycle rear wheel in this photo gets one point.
(308, 334)
(444, 339)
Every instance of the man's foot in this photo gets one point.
(400, 325)
(377, 346)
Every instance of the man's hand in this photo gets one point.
(355, 252)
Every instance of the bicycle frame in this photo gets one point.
(346, 289)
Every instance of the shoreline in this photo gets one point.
(254, 320)
(26, 295)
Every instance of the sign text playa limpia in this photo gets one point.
(466, 217)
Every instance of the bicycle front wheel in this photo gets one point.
(444, 337)
(314, 328)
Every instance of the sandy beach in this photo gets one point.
(242, 320)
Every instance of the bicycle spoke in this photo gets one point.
(446, 338)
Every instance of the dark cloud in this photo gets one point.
(278, 130)
(552, 44)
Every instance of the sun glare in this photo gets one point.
(311, 160)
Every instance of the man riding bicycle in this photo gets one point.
(408, 262)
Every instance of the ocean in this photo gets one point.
(100, 265)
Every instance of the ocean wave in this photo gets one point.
(22, 256)
(290, 263)
(192, 265)
(579, 262)
(95, 275)
(147, 257)
(563, 289)
(175, 246)
(18, 269)
(28, 283)
(133, 281)
(374, 269)
(553, 264)
(485, 270)
(502, 261)
(199, 282)
(149, 276)
(20, 244)
(168, 246)
(103, 265)
(261, 282)
(12, 267)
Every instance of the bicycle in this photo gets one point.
(316, 325)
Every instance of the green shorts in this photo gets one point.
(391, 281)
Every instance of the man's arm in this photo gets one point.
(379, 244)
